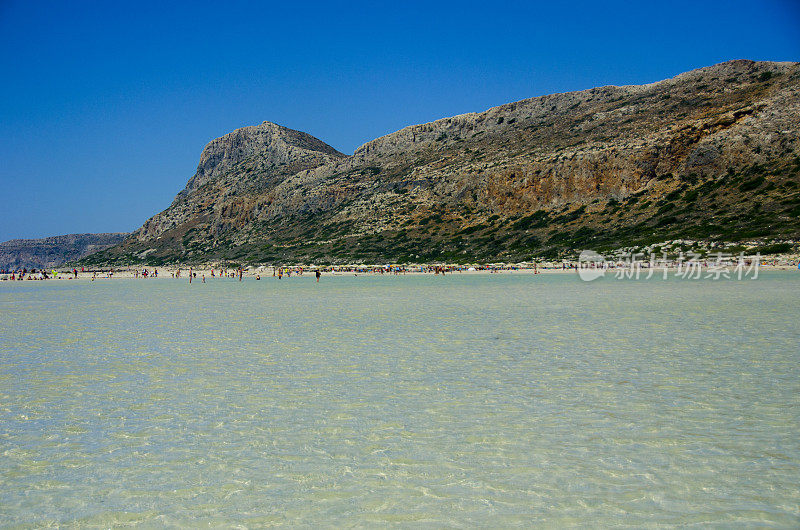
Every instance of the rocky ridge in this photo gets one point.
(711, 154)
(54, 251)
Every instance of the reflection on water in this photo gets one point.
(464, 400)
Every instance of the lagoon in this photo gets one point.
(464, 400)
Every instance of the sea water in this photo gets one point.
(463, 400)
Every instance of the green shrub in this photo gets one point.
(532, 242)
(776, 248)
(472, 229)
(752, 184)
(691, 196)
(670, 219)
(665, 208)
(535, 220)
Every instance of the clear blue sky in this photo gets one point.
(106, 106)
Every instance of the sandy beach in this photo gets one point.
(209, 273)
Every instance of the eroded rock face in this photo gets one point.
(284, 192)
(239, 164)
(273, 144)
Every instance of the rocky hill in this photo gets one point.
(52, 252)
(712, 154)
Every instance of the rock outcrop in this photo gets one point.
(240, 164)
(713, 153)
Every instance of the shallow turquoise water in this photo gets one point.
(485, 400)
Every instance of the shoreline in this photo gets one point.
(264, 273)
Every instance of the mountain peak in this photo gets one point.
(272, 143)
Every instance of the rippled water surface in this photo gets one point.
(481, 400)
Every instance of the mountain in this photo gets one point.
(53, 252)
(712, 154)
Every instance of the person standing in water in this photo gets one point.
(318, 275)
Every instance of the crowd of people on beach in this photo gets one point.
(144, 273)
(279, 272)
(19, 274)
(44, 274)
(239, 273)
(34, 274)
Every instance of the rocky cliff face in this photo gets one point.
(52, 252)
(713, 154)
(240, 164)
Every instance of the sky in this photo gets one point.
(106, 106)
